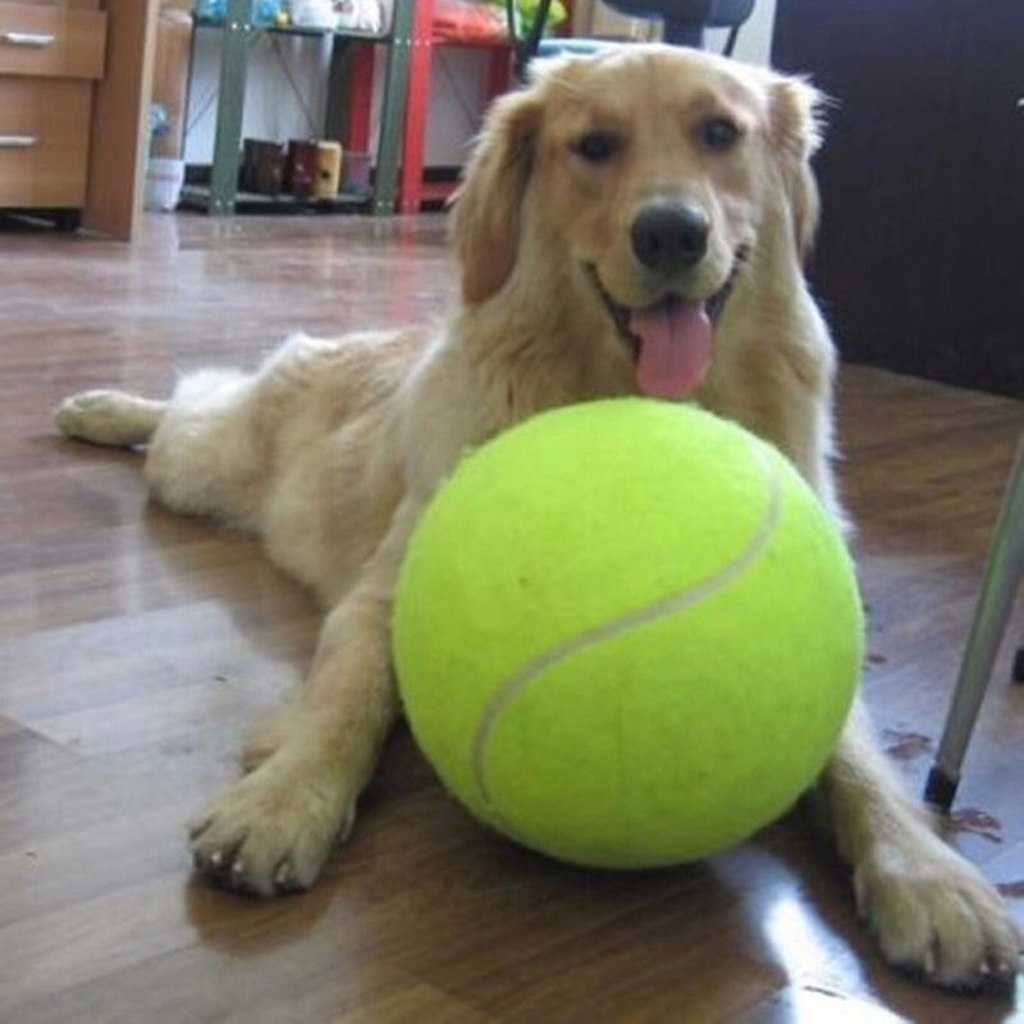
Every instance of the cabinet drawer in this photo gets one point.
(51, 41)
(44, 141)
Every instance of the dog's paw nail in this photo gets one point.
(347, 824)
(930, 965)
(238, 869)
(216, 859)
(860, 895)
(196, 827)
(283, 876)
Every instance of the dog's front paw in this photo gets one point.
(273, 830)
(107, 417)
(935, 914)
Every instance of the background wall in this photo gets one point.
(755, 40)
(284, 96)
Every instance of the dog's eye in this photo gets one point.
(719, 134)
(597, 147)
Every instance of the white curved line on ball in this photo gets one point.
(668, 606)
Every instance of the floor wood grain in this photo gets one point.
(134, 646)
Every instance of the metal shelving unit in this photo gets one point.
(222, 196)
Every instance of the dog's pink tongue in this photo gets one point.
(675, 347)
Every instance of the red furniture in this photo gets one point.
(413, 191)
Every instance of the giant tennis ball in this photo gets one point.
(626, 633)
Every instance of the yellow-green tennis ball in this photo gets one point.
(627, 634)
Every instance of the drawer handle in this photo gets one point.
(17, 141)
(27, 39)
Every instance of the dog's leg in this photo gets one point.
(932, 911)
(113, 418)
(273, 830)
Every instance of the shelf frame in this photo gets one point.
(222, 197)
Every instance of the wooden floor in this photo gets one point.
(135, 645)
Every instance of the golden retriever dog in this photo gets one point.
(630, 222)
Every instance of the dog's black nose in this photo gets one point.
(669, 236)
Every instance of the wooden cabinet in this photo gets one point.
(50, 56)
(75, 84)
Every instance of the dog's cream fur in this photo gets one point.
(330, 450)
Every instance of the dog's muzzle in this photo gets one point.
(671, 339)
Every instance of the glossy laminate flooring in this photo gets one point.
(135, 646)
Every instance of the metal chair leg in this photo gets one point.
(1003, 575)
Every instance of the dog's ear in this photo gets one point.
(485, 221)
(795, 129)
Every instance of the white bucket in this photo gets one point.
(164, 178)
